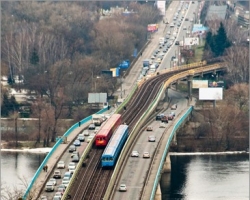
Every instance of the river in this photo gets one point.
(193, 177)
(207, 177)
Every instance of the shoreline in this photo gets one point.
(34, 150)
(207, 153)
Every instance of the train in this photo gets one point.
(114, 147)
(105, 132)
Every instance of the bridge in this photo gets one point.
(191, 70)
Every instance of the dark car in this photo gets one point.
(75, 158)
(164, 119)
(159, 116)
(177, 43)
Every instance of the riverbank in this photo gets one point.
(33, 150)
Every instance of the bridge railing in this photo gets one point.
(49, 155)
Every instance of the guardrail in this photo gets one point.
(158, 175)
(148, 112)
(60, 140)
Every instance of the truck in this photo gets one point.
(97, 119)
(146, 62)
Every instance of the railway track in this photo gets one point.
(92, 180)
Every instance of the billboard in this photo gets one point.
(152, 27)
(161, 5)
(216, 84)
(200, 83)
(191, 41)
(97, 97)
(210, 93)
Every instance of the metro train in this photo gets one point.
(105, 132)
(114, 147)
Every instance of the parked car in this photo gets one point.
(57, 174)
(77, 143)
(123, 188)
(151, 138)
(146, 155)
(72, 148)
(81, 137)
(135, 154)
(61, 164)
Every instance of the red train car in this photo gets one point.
(105, 132)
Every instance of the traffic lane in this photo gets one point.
(135, 172)
(136, 169)
(66, 157)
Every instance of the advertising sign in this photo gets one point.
(191, 41)
(97, 97)
(161, 5)
(210, 93)
(216, 84)
(152, 27)
(200, 83)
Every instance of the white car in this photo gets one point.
(61, 164)
(65, 181)
(85, 132)
(90, 138)
(135, 154)
(163, 125)
(146, 155)
(71, 167)
(123, 188)
(151, 138)
(52, 180)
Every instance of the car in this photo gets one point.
(57, 174)
(163, 125)
(159, 116)
(174, 107)
(91, 127)
(90, 138)
(67, 175)
(57, 198)
(172, 113)
(153, 57)
(49, 187)
(149, 128)
(164, 119)
(123, 188)
(85, 132)
(172, 58)
(158, 60)
(146, 155)
(62, 186)
(75, 153)
(43, 198)
(191, 20)
(186, 19)
(71, 167)
(66, 181)
(77, 143)
(72, 148)
(75, 158)
(81, 137)
(177, 43)
(61, 190)
(184, 28)
(151, 138)
(58, 194)
(170, 116)
(165, 50)
(135, 154)
(52, 180)
(61, 164)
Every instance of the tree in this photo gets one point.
(220, 41)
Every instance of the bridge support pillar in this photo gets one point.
(190, 79)
(177, 84)
(166, 94)
(167, 165)
(158, 195)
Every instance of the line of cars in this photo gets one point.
(51, 185)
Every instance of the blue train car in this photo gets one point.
(114, 147)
